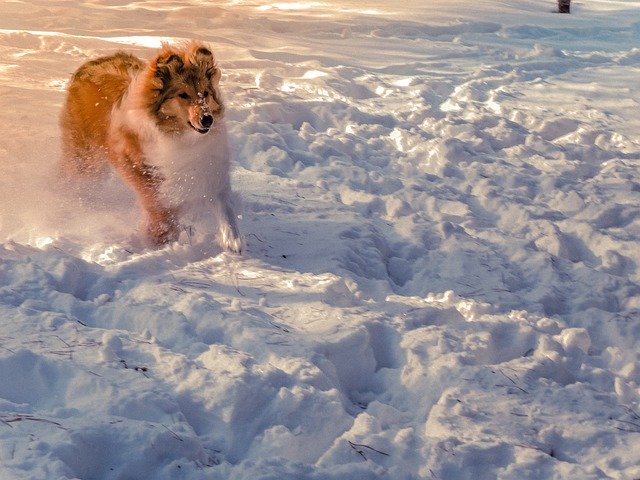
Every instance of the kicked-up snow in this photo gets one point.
(441, 209)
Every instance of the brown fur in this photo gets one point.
(109, 105)
(92, 92)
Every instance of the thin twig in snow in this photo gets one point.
(257, 237)
(8, 419)
(358, 447)
(511, 386)
(627, 430)
(512, 381)
(532, 447)
(175, 435)
(637, 425)
(279, 327)
(631, 412)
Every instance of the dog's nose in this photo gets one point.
(206, 120)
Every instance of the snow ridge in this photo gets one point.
(441, 218)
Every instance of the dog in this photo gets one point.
(160, 126)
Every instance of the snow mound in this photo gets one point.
(441, 213)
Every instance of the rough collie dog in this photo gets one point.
(160, 126)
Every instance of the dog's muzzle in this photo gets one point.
(205, 123)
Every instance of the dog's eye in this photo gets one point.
(184, 96)
(205, 94)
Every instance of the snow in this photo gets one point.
(441, 208)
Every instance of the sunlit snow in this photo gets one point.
(441, 207)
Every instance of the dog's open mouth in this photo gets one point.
(198, 129)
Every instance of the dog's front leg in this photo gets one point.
(162, 225)
(228, 231)
(162, 221)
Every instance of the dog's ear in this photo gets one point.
(203, 56)
(214, 75)
(168, 64)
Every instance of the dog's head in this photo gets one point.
(183, 88)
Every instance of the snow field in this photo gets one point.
(440, 205)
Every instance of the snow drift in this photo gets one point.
(441, 210)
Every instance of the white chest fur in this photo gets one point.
(195, 166)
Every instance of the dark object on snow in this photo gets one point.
(564, 6)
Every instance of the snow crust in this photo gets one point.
(441, 207)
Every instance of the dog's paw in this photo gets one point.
(230, 240)
(234, 246)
